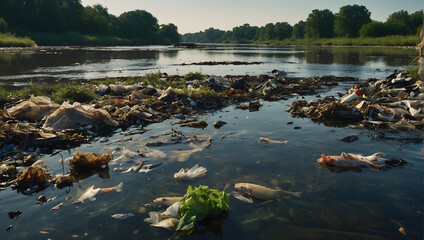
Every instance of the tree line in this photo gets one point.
(38, 17)
(351, 21)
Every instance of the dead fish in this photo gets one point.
(165, 201)
(117, 188)
(350, 160)
(192, 173)
(122, 216)
(261, 192)
(169, 223)
(91, 192)
(57, 207)
(267, 140)
(88, 194)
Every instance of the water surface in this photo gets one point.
(356, 204)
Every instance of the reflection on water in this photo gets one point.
(44, 64)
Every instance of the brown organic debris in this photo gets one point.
(90, 160)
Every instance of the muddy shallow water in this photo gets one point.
(355, 204)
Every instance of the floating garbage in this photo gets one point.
(396, 102)
(32, 176)
(33, 109)
(192, 173)
(219, 124)
(76, 115)
(89, 160)
(14, 214)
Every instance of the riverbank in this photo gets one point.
(10, 40)
(390, 41)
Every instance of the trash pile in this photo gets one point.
(396, 103)
(39, 125)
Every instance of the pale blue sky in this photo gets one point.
(198, 15)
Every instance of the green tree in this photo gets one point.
(416, 20)
(398, 23)
(373, 29)
(266, 33)
(168, 34)
(350, 19)
(320, 24)
(282, 30)
(244, 33)
(3, 25)
(96, 20)
(138, 25)
(299, 30)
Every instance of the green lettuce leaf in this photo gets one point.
(199, 203)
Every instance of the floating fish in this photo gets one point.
(267, 140)
(122, 216)
(261, 192)
(350, 160)
(192, 173)
(91, 192)
(165, 201)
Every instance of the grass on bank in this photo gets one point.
(10, 40)
(74, 92)
(379, 41)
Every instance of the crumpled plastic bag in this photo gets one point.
(192, 173)
(76, 115)
(34, 109)
(90, 160)
(32, 176)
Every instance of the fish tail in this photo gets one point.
(375, 166)
(118, 187)
(295, 194)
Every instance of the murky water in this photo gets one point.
(364, 204)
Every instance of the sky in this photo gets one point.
(197, 15)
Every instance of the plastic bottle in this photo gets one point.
(350, 97)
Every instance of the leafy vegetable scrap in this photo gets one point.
(199, 203)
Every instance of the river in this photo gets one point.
(355, 204)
